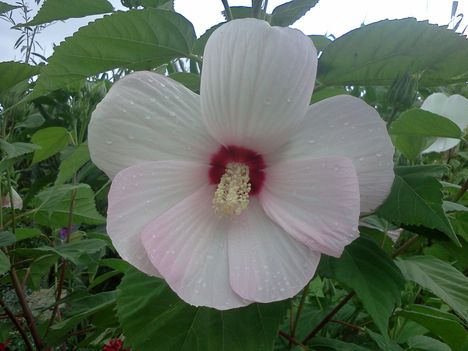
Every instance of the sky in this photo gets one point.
(334, 17)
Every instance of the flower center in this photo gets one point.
(232, 194)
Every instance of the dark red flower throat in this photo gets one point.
(230, 154)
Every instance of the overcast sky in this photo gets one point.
(327, 17)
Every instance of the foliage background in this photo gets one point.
(64, 286)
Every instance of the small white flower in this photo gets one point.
(17, 200)
(232, 196)
(455, 108)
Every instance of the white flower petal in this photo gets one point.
(141, 193)
(266, 264)
(17, 200)
(455, 108)
(256, 83)
(345, 126)
(188, 245)
(147, 117)
(316, 201)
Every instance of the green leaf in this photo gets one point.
(73, 163)
(162, 4)
(151, 314)
(4, 263)
(55, 10)
(54, 205)
(51, 140)
(16, 149)
(286, 14)
(13, 73)
(32, 121)
(443, 324)
(334, 344)
(440, 278)
(4, 7)
(376, 54)
(320, 41)
(384, 343)
(377, 284)
(189, 80)
(27, 233)
(138, 39)
(416, 199)
(415, 129)
(426, 343)
(7, 238)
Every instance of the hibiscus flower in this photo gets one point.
(455, 108)
(232, 195)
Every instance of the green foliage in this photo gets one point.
(415, 129)
(443, 280)
(286, 14)
(151, 313)
(55, 10)
(4, 7)
(51, 140)
(377, 53)
(377, 285)
(70, 165)
(416, 200)
(13, 73)
(115, 41)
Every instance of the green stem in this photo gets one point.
(227, 10)
(298, 313)
(461, 192)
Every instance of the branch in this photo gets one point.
(17, 325)
(227, 10)
(292, 340)
(461, 192)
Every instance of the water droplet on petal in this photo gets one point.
(131, 137)
(311, 141)
(162, 85)
(362, 158)
(173, 114)
(132, 103)
(267, 101)
(147, 117)
(108, 142)
(289, 100)
(378, 154)
(346, 123)
(166, 97)
(370, 130)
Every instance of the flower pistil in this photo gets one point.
(232, 194)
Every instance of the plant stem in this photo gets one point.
(403, 247)
(461, 192)
(227, 10)
(356, 328)
(17, 325)
(328, 317)
(292, 340)
(298, 313)
(25, 307)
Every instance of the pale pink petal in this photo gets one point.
(316, 201)
(147, 117)
(265, 263)
(346, 126)
(17, 200)
(188, 245)
(455, 108)
(256, 83)
(141, 193)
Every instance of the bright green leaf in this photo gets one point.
(26, 233)
(73, 163)
(51, 140)
(16, 149)
(416, 199)
(440, 278)
(151, 314)
(378, 53)
(54, 10)
(320, 41)
(13, 73)
(138, 39)
(189, 80)
(286, 14)
(443, 324)
(371, 273)
(32, 121)
(54, 205)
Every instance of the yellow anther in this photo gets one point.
(232, 194)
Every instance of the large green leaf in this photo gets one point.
(138, 39)
(440, 278)
(54, 205)
(13, 73)
(4, 7)
(414, 130)
(378, 53)
(286, 14)
(53, 10)
(18, 149)
(4, 263)
(371, 273)
(334, 344)
(51, 140)
(73, 163)
(416, 199)
(151, 314)
(426, 343)
(443, 324)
